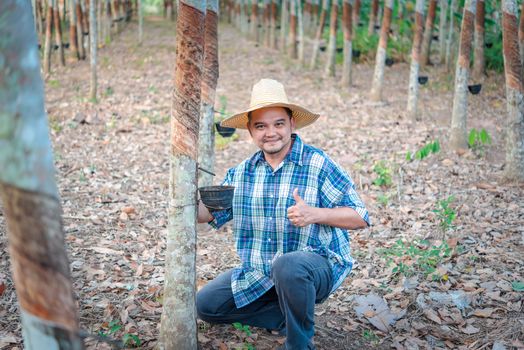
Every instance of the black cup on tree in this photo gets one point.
(474, 89)
(435, 37)
(224, 131)
(340, 49)
(356, 53)
(423, 79)
(489, 45)
(217, 198)
(322, 48)
(389, 61)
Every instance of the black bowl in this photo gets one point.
(322, 48)
(435, 37)
(475, 89)
(356, 53)
(340, 49)
(423, 79)
(489, 45)
(360, 24)
(224, 131)
(389, 62)
(217, 197)
(377, 27)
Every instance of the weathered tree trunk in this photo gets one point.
(307, 13)
(58, 34)
(108, 22)
(48, 38)
(80, 30)
(178, 322)
(140, 4)
(273, 24)
(428, 33)
(314, 17)
(347, 8)
(332, 45)
(92, 53)
(267, 22)
(373, 17)
(443, 26)
(479, 69)
(300, 20)
(521, 37)
(116, 20)
(254, 20)
(318, 36)
(292, 45)
(460, 100)
(356, 13)
(415, 61)
(206, 151)
(29, 192)
(283, 22)
(451, 34)
(514, 169)
(380, 60)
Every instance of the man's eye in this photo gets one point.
(259, 127)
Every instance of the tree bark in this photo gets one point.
(521, 37)
(460, 100)
(254, 20)
(332, 46)
(206, 152)
(29, 192)
(428, 33)
(415, 61)
(267, 22)
(479, 69)
(273, 25)
(380, 60)
(451, 34)
(58, 33)
(318, 36)
(292, 45)
(348, 43)
(80, 30)
(307, 13)
(314, 17)
(356, 13)
(514, 169)
(373, 17)
(300, 20)
(92, 53)
(178, 322)
(283, 22)
(48, 38)
(443, 26)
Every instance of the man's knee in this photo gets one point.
(288, 267)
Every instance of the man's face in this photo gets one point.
(271, 129)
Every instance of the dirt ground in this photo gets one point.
(112, 170)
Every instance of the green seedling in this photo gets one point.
(129, 340)
(478, 140)
(54, 83)
(432, 147)
(383, 172)
(445, 214)
(247, 332)
(518, 286)
(108, 91)
(370, 336)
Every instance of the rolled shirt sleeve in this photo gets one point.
(220, 218)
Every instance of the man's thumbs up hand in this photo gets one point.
(300, 214)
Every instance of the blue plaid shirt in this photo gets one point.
(261, 228)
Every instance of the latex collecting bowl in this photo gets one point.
(224, 131)
(217, 197)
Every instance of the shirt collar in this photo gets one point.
(295, 155)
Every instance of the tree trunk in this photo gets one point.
(292, 46)
(443, 26)
(92, 52)
(318, 36)
(356, 14)
(332, 46)
(428, 33)
(300, 20)
(254, 20)
(140, 5)
(307, 13)
(206, 151)
(415, 61)
(108, 22)
(460, 100)
(521, 37)
(373, 17)
(348, 44)
(283, 21)
(80, 30)
(178, 329)
(380, 60)
(479, 62)
(314, 17)
(48, 38)
(73, 42)
(451, 34)
(58, 34)
(514, 169)
(272, 34)
(29, 192)
(267, 23)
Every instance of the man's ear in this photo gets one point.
(292, 120)
(248, 128)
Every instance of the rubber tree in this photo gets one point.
(93, 48)
(29, 193)
(442, 31)
(300, 20)
(415, 61)
(356, 13)
(428, 33)
(521, 37)
(347, 25)
(514, 169)
(80, 30)
(273, 24)
(479, 61)
(332, 45)
(318, 35)
(178, 322)
(373, 13)
(283, 22)
(253, 28)
(48, 37)
(460, 99)
(58, 33)
(451, 33)
(292, 49)
(206, 151)
(380, 58)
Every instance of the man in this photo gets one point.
(291, 211)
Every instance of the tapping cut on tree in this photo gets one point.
(415, 61)
(348, 43)
(428, 33)
(318, 36)
(332, 45)
(380, 58)
(479, 60)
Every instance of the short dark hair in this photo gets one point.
(289, 112)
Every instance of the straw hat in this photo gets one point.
(270, 93)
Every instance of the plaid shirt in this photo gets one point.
(261, 228)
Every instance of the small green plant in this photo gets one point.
(518, 286)
(383, 172)
(247, 332)
(54, 83)
(429, 148)
(370, 336)
(478, 140)
(383, 199)
(445, 213)
(128, 340)
(55, 125)
(108, 91)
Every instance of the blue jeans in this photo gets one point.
(301, 279)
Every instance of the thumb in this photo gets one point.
(296, 196)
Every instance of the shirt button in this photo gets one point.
(269, 261)
(269, 239)
(271, 196)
